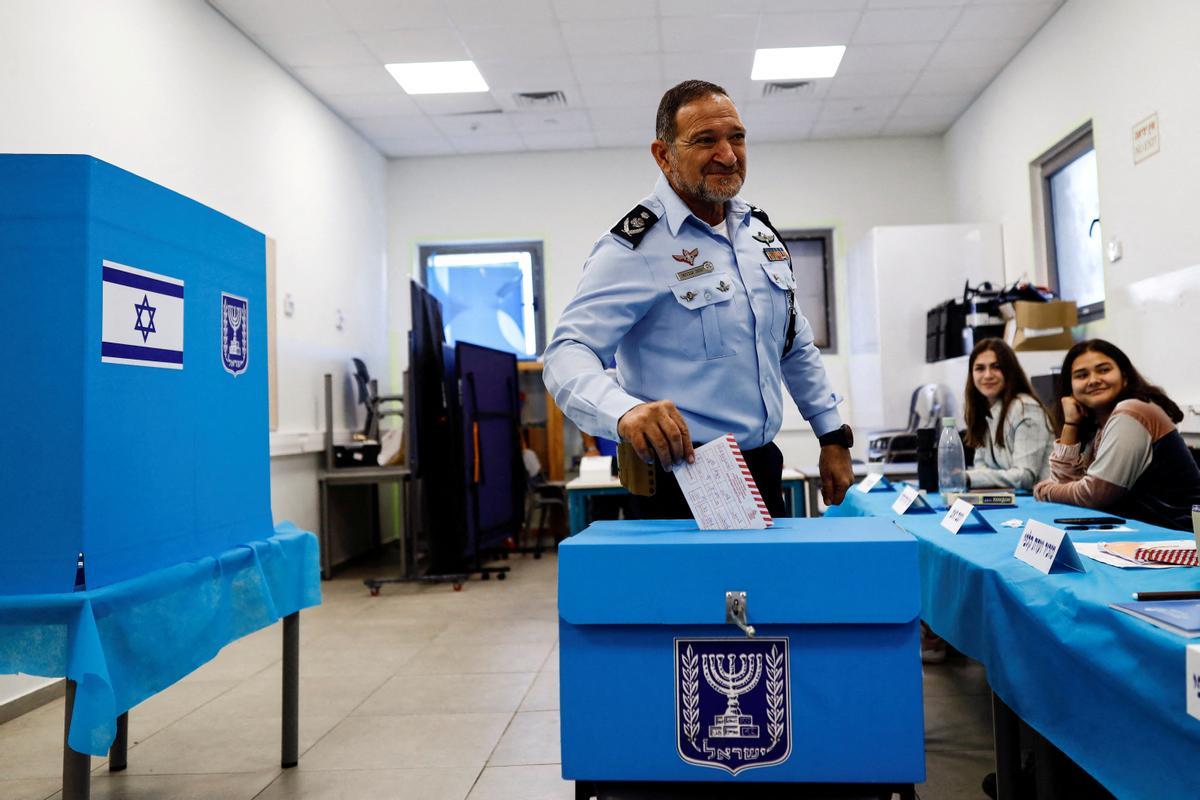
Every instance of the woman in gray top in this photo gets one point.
(1006, 424)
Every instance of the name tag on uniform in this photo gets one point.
(775, 253)
(702, 269)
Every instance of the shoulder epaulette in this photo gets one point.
(633, 226)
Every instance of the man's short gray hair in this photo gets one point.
(676, 98)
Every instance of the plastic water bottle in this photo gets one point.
(952, 471)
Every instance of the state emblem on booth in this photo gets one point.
(732, 702)
(235, 333)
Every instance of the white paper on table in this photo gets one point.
(1093, 551)
(595, 468)
(720, 490)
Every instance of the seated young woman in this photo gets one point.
(1006, 423)
(1119, 450)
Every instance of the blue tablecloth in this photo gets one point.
(1109, 690)
(126, 641)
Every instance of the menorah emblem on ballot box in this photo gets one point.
(741, 685)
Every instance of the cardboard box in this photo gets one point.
(1039, 326)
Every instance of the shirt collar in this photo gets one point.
(676, 211)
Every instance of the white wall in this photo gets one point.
(170, 90)
(568, 199)
(1114, 62)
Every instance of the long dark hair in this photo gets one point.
(1015, 383)
(1136, 387)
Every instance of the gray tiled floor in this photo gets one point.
(421, 693)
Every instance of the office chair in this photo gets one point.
(930, 402)
(368, 396)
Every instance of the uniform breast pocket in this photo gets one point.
(710, 298)
(781, 285)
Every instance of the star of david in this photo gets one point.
(148, 328)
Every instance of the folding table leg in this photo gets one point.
(291, 690)
(1006, 729)
(77, 767)
(118, 754)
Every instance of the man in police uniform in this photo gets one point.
(693, 292)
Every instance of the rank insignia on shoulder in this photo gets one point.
(688, 256)
(700, 269)
(764, 237)
(635, 224)
(775, 253)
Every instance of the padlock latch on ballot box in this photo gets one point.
(735, 612)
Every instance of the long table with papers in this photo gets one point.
(1109, 690)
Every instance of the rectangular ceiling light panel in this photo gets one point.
(438, 77)
(796, 63)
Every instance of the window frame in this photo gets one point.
(535, 248)
(1049, 164)
(825, 234)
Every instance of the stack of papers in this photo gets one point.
(1134, 554)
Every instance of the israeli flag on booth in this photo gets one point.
(141, 319)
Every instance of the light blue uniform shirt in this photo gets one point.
(705, 329)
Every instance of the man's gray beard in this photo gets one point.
(702, 192)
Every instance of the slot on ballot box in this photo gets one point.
(782, 655)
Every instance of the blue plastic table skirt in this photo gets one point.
(125, 642)
(1107, 689)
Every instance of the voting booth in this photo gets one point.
(662, 681)
(135, 401)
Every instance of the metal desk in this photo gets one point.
(360, 476)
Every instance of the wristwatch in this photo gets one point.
(843, 436)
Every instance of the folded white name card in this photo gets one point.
(1193, 680)
(1046, 548)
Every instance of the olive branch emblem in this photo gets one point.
(775, 708)
(691, 695)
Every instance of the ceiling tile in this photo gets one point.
(396, 127)
(995, 22)
(563, 140)
(383, 15)
(910, 25)
(807, 30)
(934, 105)
(620, 119)
(858, 109)
(346, 80)
(549, 121)
(915, 3)
(319, 50)
(917, 126)
(846, 130)
(492, 12)
(818, 89)
(705, 8)
(975, 54)
(623, 137)
(617, 69)
(414, 148)
(958, 81)
(526, 74)
(879, 84)
(282, 17)
(531, 40)
(637, 98)
(387, 104)
(861, 58)
(698, 35)
(764, 116)
(724, 69)
(783, 132)
(599, 37)
(609, 9)
(794, 6)
(409, 46)
(504, 143)
(466, 125)
(465, 103)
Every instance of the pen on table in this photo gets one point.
(1191, 595)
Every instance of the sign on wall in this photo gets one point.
(1145, 138)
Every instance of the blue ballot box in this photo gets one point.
(660, 682)
(135, 399)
